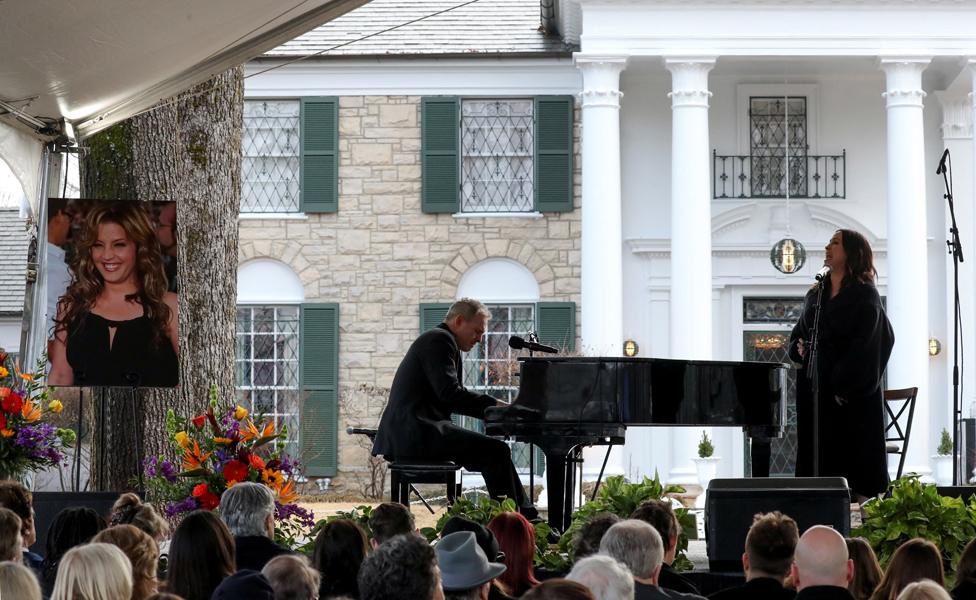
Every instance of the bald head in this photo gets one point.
(821, 559)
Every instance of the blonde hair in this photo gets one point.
(142, 552)
(11, 530)
(926, 589)
(93, 572)
(17, 581)
(292, 577)
(129, 509)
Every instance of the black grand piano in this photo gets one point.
(567, 403)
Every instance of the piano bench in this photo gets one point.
(405, 473)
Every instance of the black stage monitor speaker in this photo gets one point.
(732, 503)
(47, 505)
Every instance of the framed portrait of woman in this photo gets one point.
(112, 293)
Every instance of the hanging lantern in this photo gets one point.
(788, 255)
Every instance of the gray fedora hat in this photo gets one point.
(463, 563)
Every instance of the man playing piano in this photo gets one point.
(427, 389)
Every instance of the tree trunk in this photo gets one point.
(187, 150)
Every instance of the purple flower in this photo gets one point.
(175, 508)
(168, 470)
(40, 441)
(283, 512)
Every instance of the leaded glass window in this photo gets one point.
(270, 166)
(778, 146)
(266, 364)
(497, 145)
(492, 367)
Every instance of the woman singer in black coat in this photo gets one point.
(855, 341)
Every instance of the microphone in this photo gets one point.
(518, 344)
(823, 272)
(942, 163)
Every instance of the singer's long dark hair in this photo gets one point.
(860, 258)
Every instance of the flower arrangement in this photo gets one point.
(221, 448)
(27, 442)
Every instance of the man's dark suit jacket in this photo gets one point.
(672, 580)
(824, 592)
(426, 390)
(254, 551)
(765, 588)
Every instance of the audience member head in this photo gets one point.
(71, 527)
(248, 510)
(129, 509)
(821, 559)
(466, 573)
(201, 555)
(164, 596)
(292, 577)
(389, 520)
(636, 545)
(142, 552)
(770, 544)
(404, 566)
(659, 515)
(485, 538)
(915, 560)
(559, 589)
(586, 540)
(340, 548)
(867, 571)
(16, 497)
(925, 589)
(966, 569)
(516, 538)
(11, 536)
(18, 581)
(606, 578)
(93, 572)
(244, 585)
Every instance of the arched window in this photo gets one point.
(269, 298)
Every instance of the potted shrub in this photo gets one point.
(707, 463)
(942, 460)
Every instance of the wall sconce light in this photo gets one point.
(631, 348)
(935, 346)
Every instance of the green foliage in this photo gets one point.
(945, 444)
(705, 447)
(359, 514)
(912, 509)
(621, 498)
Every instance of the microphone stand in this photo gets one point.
(813, 374)
(955, 249)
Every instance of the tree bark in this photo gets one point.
(187, 150)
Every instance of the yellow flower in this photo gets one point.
(240, 412)
(222, 440)
(55, 406)
(231, 483)
(272, 478)
(4, 372)
(7, 432)
(182, 439)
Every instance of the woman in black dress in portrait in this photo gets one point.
(116, 323)
(855, 341)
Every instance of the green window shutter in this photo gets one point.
(555, 322)
(432, 314)
(440, 127)
(320, 155)
(554, 153)
(319, 376)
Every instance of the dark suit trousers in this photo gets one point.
(489, 456)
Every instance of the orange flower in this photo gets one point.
(4, 392)
(249, 431)
(193, 459)
(31, 412)
(287, 493)
(222, 440)
(7, 432)
(4, 372)
(27, 377)
(272, 478)
(256, 462)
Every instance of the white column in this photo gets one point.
(957, 136)
(908, 248)
(691, 235)
(601, 327)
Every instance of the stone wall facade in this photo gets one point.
(380, 257)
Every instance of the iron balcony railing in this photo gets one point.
(810, 176)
